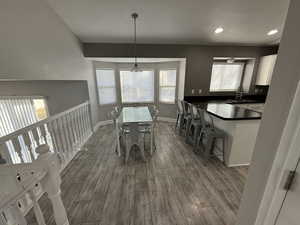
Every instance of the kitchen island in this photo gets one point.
(241, 126)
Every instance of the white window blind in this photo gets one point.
(137, 86)
(167, 86)
(226, 76)
(106, 86)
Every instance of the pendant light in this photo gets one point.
(135, 65)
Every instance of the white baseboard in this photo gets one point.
(242, 164)
(166, 119)
(102, 123)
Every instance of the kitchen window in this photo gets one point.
(137, 87)
(167, 86)
(226, 76)
(106, 86)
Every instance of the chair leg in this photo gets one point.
(187, 130)
(196, 134)
(177, 121)
(224, 144)
(127, 152)
(209, 145)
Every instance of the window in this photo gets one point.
(106, 86)
(167, 86)
(137, 86)
(226, 76)
(17, 112)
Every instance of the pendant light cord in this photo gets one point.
(134, 16)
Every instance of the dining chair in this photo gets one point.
(149, 129)
(186, 117)
(194, 128)
(133, 137)
(118, 131)
(209, 135)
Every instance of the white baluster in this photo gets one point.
(77, 113)
(5, 153)
(17, 214)
(70, 132)
(81, 123)
(72, 128)
(17, 148)
(62, 136)
(51, 183)
(59, 140)
(66, 134)
(2, 219)
(51, 131)
(75, 127)
(36, 208)
(43, 133)
(36, 136)
(28, 144)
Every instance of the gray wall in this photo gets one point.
(282, 90)
(37, 45)
(199, 58)
(60, 95)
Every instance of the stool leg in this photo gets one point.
(187, 130)
(224, 144)
(127, 152)
(177, 121)
(209, 145)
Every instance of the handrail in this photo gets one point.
(65, 133)
(41, 122)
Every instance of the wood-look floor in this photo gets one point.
(174, 187)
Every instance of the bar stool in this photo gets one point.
(179, 118)
(186, 117)
(195, 125)
(211, 134)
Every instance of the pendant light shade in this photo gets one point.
(135, 65)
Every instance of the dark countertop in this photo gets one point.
(232, 112)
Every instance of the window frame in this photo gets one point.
(225, 63)
(159, 86)
(115, 87)
(140, 102)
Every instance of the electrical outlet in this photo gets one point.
(193, 91)
(199, 91)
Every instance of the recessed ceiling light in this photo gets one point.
(272, 32)
(219, 30)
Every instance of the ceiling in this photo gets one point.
(245, 22)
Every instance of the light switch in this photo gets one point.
(193, 91)
(199, 91)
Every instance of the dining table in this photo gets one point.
(132, 116)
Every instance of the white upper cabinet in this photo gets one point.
(265, 70)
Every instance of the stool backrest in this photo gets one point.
(179, 107)
(185, 107)
(206, 119)
(194, 112)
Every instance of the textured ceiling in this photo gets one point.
(245, 22)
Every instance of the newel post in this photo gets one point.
(51, 183)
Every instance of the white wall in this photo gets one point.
(36, 45)
(283, 86)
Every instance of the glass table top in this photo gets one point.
(135, 115)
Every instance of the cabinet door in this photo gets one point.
(265, 70)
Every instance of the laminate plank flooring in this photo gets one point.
(173, 187)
